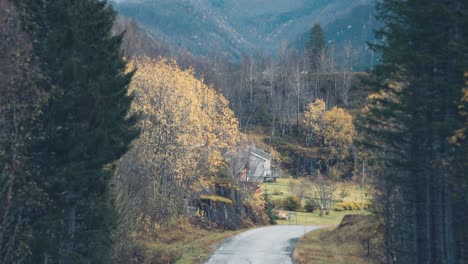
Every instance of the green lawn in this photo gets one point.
(354, 193)
(280, 190)
(282, 186)
(314, 219)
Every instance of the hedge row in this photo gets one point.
(351, 205)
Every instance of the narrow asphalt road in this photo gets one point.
(269, 245)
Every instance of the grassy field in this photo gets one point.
(282, 186)
(304, 218)
(280, 189)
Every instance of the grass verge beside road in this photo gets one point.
(355, 241)
(184, 243)
(199, 248)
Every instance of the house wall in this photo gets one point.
(258, 168)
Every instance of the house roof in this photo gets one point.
(259, 153)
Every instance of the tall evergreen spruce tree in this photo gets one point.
(315, 45)
(410, 127)
(85, 126)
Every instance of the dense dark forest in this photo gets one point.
(417, 123)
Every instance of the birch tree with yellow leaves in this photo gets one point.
(334, 131)
(313, 115)
(186, 130)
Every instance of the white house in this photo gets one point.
(259, 167)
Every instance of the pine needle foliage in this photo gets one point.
(409, 123)
(85, 126)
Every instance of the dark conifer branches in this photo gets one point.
(85, 125)
(315, 46)
(411, 119)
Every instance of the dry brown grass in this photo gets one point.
(345, 244)
(185, 243)
(193, 243)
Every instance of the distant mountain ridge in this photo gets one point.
(243, 26)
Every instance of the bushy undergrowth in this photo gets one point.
(277, 192)
(351, 205)
(269, 210)
(135, 251)
(310, 205)
(277, 203)
(190, 240)
(291, 203)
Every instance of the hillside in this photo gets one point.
(251, 27)
(355, 240)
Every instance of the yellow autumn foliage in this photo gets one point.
(180, 114)
(333, 128)
(338, 132)
(186, 130)
(314, 116)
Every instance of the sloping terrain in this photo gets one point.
(356, 240)
(244, 26)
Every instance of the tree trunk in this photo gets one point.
(69, 235)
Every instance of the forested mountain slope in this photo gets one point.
(253, 27)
